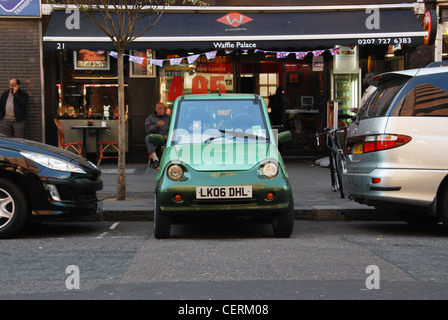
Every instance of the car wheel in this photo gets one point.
(419, 219)
(283, 222)
(162, 222)
(13, 208)
(442, 206)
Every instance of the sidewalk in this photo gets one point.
(310, 183)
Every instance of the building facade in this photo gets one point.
(315, 54)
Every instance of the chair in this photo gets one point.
(112, 145)
(76, 146)
(103, 147)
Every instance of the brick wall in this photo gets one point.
(20, 58)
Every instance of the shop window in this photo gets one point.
(268, 83)
(204, 76)
(86, 80)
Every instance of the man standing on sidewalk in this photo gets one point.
(13, 104)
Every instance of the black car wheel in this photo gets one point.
(442, 206)
(162, 223)
(283, 222)
(13, 208)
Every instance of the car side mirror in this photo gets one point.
(284, 136)
(156, 139)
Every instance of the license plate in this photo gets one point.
(358, 149)
(99, 207)
(224, 192)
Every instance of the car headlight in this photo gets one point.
(52, 162)
(269, 169)
(175, 172)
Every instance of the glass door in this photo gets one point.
(346, 92)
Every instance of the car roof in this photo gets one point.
(378, 79)
(220, 96)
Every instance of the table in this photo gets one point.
(97, 131)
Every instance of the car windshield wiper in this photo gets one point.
(238, 134)
(210, 139)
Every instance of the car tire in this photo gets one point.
(442, 206)
(13, 208)
(162, 222)
(419, 219)
(283, 222)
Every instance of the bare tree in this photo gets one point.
(119, 19)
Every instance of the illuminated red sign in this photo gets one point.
(234, 19)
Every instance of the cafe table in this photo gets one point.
(97, 130)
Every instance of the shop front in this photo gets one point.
(297, 60)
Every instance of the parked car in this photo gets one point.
(221, 156)
(41, 182)
(397, 145)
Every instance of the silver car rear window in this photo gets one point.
(424, 96)
(380, 101)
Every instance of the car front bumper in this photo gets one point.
(73, 197)
(166, 191)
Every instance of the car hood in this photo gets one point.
(221, 157)
(19, 145)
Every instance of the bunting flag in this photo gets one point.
(135, 59)
(229, 51)
(335, 51)
(300, 55)
(175, 61)
(282, 54)
(192, 59)
(157, 62)
(211, 55)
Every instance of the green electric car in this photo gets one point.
(221, 157)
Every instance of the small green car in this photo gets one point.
(221, 156)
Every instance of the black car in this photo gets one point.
(40, 182)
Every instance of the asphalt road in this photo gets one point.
(225, 261)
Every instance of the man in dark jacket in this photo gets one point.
(157, 122)
(13, 105)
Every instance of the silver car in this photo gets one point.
(397, 146)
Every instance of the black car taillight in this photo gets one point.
(377, 142)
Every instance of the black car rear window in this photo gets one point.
(424, 96)
(380, 101)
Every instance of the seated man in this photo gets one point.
(159, 123)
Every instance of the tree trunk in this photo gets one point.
(121, 178)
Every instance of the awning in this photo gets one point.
(248, 30)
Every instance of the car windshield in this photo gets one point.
(224, 120)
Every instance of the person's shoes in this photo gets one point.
(155, 164)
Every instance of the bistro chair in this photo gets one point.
(72, 146)
(109, 146)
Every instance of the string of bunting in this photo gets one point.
(212, 54)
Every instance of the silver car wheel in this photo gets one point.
(7, 208)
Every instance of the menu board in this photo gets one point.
(91, 60)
